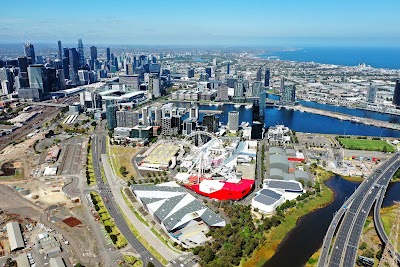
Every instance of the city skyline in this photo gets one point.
(184, 23)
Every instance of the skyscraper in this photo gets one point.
(108, 54)
(371, 93)
(210, 122)
(59, 50)
(258, 75)
(73, 66)
(396, 94)
(263, 98)
(81, 54)
(110, 114)
(93, 56)
(257, 130)
(256, 110)
(255, 89)
(209, 71)
(30, 52)
(233, 121)
(282, 88)
(267, 77)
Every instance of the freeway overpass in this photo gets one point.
(377, 216)
(352, 215)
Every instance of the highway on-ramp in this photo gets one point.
(344, 250)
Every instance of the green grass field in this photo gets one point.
(363, 144)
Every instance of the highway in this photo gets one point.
(377, 217)
(354, 213)
(98, 148)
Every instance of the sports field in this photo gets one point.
(364, 144)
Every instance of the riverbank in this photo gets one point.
(276, 235)
(345, 117)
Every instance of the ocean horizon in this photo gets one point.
(376, 57)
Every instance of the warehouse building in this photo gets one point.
(15, 236)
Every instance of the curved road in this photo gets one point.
(345, 247)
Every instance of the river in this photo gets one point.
(301, 121)
(306, 238)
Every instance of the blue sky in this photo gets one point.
(217, 22)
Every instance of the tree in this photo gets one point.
(93, 123)
(114, 238)
(150, 264)
(384, 149)
(123, 171)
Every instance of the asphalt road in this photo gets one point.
(98, 148)
(348, 236)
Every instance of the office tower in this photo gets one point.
(257, 130)
(59, 55)
(93, 57)
(210, 123)
(108, 54)
(83, 77)
(282, 88)
(222, 93)
(258, 75)
(267, 77)
(214, 62)
(42, 78)
(23, 64)
(7, 80)
(289, 94)
(256, 110)
(30, 52)
(371, 93)
(110, 114)
(190, 73)
(228, 68)
(263, 98)
(73, 66)
(81, 54)
(233, 121)
(60, 79)
(209, 72)
(396, 94)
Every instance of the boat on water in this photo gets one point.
(248, 106)
(236, 106)
(301, 110)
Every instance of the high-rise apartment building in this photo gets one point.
(233, 121)
(396, 94)
(371, 93)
